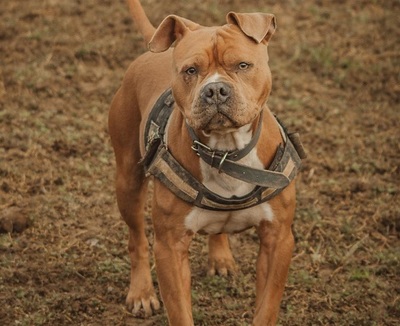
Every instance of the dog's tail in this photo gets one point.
(141, 20)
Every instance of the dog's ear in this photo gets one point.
(257, 26)
(171, 29)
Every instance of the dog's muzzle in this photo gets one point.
(216, 93)
(215, 108)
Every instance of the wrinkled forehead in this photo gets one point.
(220, 43)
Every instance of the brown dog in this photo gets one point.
(222, 163)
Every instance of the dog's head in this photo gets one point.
(221, 78)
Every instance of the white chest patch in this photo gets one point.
(213, 222)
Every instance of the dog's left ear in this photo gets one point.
(171, 29)
(258, 26)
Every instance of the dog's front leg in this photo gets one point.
(171, 251)
(276, 247)
(273, 262)
(172, 264)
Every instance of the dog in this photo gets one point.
(192, 113)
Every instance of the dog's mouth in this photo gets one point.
(220, 123)
(221, 118)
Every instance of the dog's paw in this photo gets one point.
(221, 266)
(220, 258)
(142, 306)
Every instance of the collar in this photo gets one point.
(226, 162)
(216, 158)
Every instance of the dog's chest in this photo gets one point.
(212, 222)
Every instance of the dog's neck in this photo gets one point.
(223, 184)
(230, 140)
(237, 139)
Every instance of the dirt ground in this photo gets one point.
(336, 68)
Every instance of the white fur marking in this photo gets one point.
(215, 221)
(213, 78)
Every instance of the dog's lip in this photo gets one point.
(208, 133)
(220, 123)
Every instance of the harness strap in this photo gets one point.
(155, 126)
(158, 161)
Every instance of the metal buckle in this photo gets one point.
(222, 159)
(195, 145)
(222, 162)
(214, 154)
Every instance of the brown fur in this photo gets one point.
(216, 50)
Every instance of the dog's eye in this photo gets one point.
(191, 71)
(243, 66)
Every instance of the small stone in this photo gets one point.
(12, 219)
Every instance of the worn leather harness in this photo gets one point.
(158, 161)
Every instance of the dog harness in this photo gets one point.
(159, 162)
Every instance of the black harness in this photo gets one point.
(158, 161)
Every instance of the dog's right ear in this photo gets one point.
(171, 29)
(258, 26)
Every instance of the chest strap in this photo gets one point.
(158, 161)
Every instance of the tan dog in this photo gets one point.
(220, 83)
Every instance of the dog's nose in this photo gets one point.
(216, 93)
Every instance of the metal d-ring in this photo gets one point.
(222, 162)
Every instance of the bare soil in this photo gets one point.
(336, 68)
